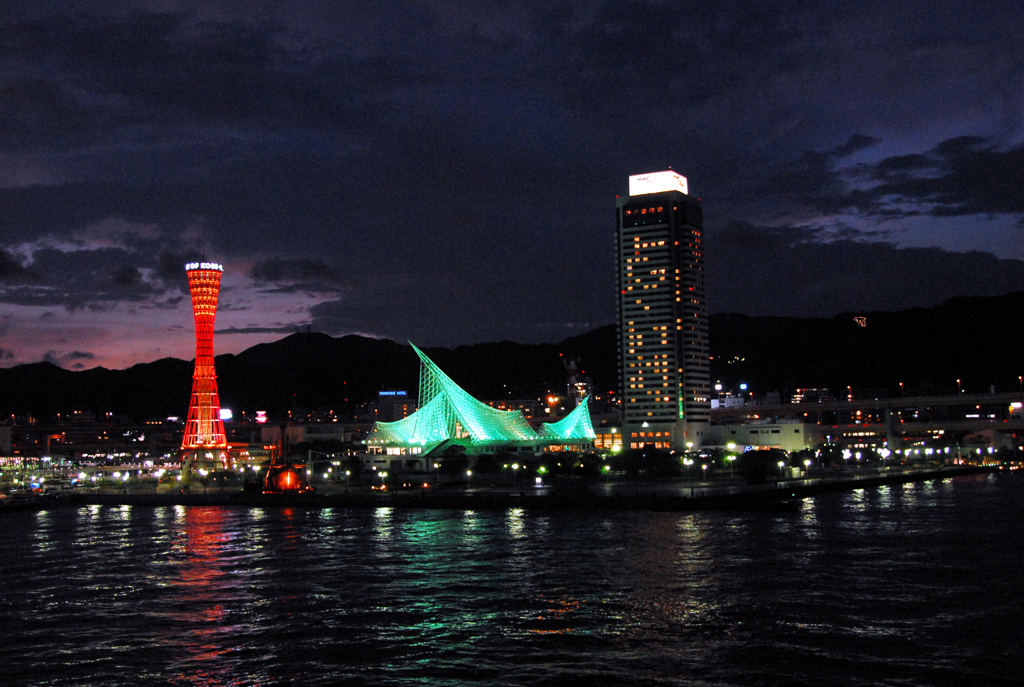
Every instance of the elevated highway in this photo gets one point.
(907, 403)
(892, 418)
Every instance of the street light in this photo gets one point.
(469, 478)
(781, 465)
(807, 467)
(383, 477)
(515, 467)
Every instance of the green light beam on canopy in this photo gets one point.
(574, 426)
(462, 415)
(447, 412)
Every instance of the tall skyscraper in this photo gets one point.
(663, 324)
(204, 446)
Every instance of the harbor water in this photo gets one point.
(911, 584)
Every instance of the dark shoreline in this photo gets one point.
(775, 497)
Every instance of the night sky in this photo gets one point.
(446, 171)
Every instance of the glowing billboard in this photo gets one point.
(216, 266)
(657, 182)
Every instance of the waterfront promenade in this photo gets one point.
(778, 495)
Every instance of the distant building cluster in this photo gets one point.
(666, 402)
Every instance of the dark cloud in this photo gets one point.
(125, 277)
(171, 303)
(298, 275)
(171, 268)
(63, 209)
(810, 277)
(321, 128)
(901, 165)
(966, 175)
(469, 305)
(74, 359)
(814, 181)
(140, 68)
(10, 267)
(35, 112)
(80, 279)
(123, 78)
(611, 55)
(856, 142)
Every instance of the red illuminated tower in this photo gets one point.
(205, 445)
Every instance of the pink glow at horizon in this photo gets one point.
(127, 335)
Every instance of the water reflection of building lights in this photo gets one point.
(383, 525)
(201, 583)
(516, 526)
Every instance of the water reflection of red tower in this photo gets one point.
(205, 444)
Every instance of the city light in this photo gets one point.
(657, 182)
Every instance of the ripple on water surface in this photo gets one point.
(901, 585)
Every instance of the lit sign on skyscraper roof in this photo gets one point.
(657, 182)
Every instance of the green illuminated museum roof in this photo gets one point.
(447, 412)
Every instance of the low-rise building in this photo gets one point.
(788, 435)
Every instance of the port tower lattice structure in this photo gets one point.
(204, 447)
(447, 412)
